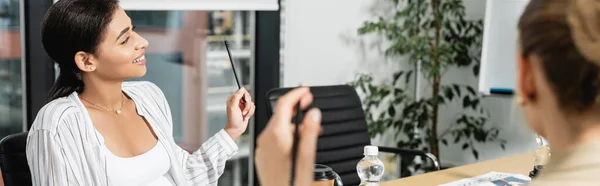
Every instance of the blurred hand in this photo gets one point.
(238, 113)
(274, 144)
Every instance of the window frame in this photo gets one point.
(37, 68)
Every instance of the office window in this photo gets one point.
(156, 19)
(192, 55)
(282, 13)
(11, 92)
(9, 14)
(188, 61)
(11, 108)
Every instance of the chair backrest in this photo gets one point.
(13, 161)
(345, 131)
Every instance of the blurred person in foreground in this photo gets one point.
(274, 144)
(558, 86)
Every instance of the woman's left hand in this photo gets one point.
(239, 113)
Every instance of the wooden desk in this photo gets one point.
(517, 164)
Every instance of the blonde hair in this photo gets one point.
(565, 35)
(583, 17)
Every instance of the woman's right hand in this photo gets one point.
(274, 144)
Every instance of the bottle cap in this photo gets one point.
(371, 151)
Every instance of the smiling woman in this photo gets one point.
(99, 130)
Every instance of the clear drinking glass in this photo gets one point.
(541, 156)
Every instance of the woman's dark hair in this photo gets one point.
(71, 26)
(565, 35)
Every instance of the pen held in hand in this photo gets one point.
(297, 122)
(237, 80)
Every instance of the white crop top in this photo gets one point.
(147, 169)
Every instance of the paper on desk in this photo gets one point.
(492, 179)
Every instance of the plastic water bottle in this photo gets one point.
(370, 168)
(541, 156)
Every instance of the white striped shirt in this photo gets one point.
(64, 148)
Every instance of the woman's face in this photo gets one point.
(120, 54)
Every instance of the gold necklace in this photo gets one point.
(118, 111)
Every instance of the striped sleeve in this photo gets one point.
(207, 164)
(46, 160)
(45, 153)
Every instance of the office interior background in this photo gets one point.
(310, 42)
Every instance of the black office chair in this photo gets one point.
(345, 130)
(13, 161)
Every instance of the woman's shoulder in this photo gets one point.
(151, 97)
(51, 115)
(148, 93)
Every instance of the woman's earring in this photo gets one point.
(92, 68)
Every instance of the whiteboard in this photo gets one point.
(500, 36)
(199, 4)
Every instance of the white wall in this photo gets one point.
(322, 47)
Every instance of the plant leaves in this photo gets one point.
(408, 127)
(408, 75)
(398, 92)
(408, 33)
(373, 90)
(449, 94)
(388, 123)
(471, 90)
(423, 118)
(476, 154)
(466, 102)
(384, 91)
(474, 104)
(381, 116)
(476, 70)
(402, 144)
(462, 119)
(408, 109)
(457, 89)
(440, 100)
(465, 146)
(467, 133)
(397, 76)
(479, 135)
(457, 138)
(392, 111)
(503, 146)
(362, 87)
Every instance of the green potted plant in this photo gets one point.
(434, 35)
